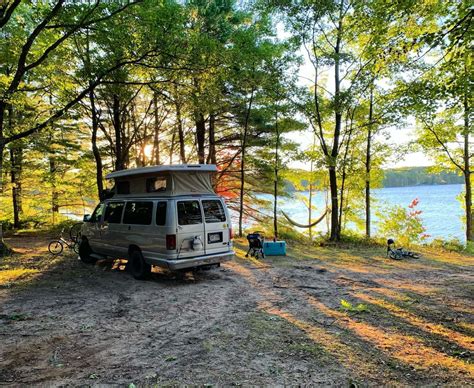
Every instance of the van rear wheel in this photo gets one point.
(85, 252)
(138, 267)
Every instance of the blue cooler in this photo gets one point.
(274, 248)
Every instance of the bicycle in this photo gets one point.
(399, 253)
(75, 231)
(56, 247)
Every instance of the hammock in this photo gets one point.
(306, 226)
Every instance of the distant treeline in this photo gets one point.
(416, 176)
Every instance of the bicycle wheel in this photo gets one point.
(75, 231)
(394, 255)
(55, 247)
(75, 247)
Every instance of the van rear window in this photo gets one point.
(189, 213)
(213, 211)
(139, 213)
(161, 213)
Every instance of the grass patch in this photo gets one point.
(8, 276)
(273, 334)
(307, 348)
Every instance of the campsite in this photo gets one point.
(236, 193)
(274, 322)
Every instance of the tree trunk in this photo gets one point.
(182, 150)
(2, 144)
(200, 137)
(275, 183)
(242, 164)
(173, 142)
(344, 170)
(334, 235)
(2, 151)
(468, 202)
(310, 210)
(156, 139)
(335, 217)
(211, 158)
(52, 172)
(95, 149)
(310, 206)
(467, 171)
(16, 162)
(119, 154)
(16, 159)
(54, 192)
(368, 166)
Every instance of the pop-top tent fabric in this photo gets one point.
(191, 182)
(180, 179)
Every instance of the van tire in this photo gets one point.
(137, 266)
(85, 252)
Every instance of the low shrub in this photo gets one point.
(403, 225)
(5, 250)
(450, 245)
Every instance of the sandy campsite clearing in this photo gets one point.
(318, 316)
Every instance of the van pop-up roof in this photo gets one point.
(164, 180)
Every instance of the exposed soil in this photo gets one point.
(278, 321)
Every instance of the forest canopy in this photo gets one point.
(90, 87)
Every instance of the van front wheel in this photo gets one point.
(85, 252)
(138, 267)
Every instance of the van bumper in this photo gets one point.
(193, 262)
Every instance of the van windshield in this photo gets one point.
(213, 211)
(97, 213)
(189, 213)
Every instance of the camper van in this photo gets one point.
(168, 216)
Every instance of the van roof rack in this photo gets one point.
(164, 168)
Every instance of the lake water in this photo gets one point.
(442, 211)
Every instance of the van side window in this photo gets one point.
(95, 217)
(161, 213)
(113, 212)
(139, 213)
(213, 211)
(189, 213)
(156, 184)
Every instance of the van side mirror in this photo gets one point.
(87, 217)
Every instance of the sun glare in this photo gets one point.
(148, 150)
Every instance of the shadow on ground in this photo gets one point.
(275, 321)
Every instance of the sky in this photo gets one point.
(399, 137)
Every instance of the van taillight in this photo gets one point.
(231, 234)
(171, 242)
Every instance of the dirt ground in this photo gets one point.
(325, 316)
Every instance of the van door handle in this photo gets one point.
(129, 227)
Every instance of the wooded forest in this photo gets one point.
(89, 87)
(416, 176)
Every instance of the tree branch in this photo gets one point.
(443, 146)
(73, 102)
(7, 12)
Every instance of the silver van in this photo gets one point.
(167, 216)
